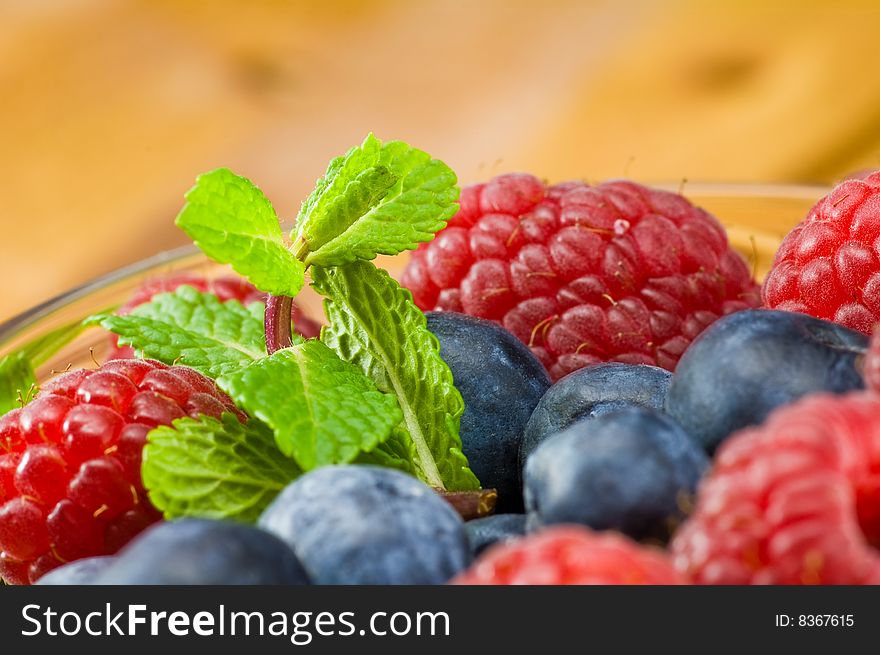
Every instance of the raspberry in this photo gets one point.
(828, 266)
(70, 479)
(571, 555)
(583, 274)
(229, 287)
(795, 501)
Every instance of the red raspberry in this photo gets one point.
(571, 555)
(583, 274)
(70, 460)
(795, 501)
(828, 266)
(228, 287)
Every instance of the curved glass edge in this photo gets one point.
(14, 325)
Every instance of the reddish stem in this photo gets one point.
(471, 504)
(277, 323)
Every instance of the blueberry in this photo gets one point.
(79, 572)
(204, 552)
(490, 530)
(358, 524)
(625, 470)
(746, 364)
(500, 381)
(593, 391)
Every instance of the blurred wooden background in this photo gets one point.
(109, 108)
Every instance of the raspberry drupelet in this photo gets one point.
(583, 274)
(70, 460)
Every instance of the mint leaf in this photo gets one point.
(397, 452)
(374, 324)
(322, 410)
(376, 199)
(234, 223)
(192, 328)
(17, 379)
(214, 469)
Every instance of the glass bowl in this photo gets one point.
(756, 217)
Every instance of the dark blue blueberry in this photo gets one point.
(490, 530)
(79, 572)
(594, 391)
(369, 525)
(205, 552)
(746, 364)
(629, 471)
(501, 382)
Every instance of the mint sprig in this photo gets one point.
(378, 198)
(234, 223)
(374, 324)
(192, 328)
(374, 388)
(214, 469)
(322, 409)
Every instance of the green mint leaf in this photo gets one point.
(234, 223)
(397, 452)
(322, 410)
(374, 324)
(192, 328)
(376, 199)
(17, 379)
(214, 469)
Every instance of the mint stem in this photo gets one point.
(471, 504)
(300, 249)
(277, 323)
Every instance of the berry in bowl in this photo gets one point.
(559, 389)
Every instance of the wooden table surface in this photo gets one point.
(109, 108)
